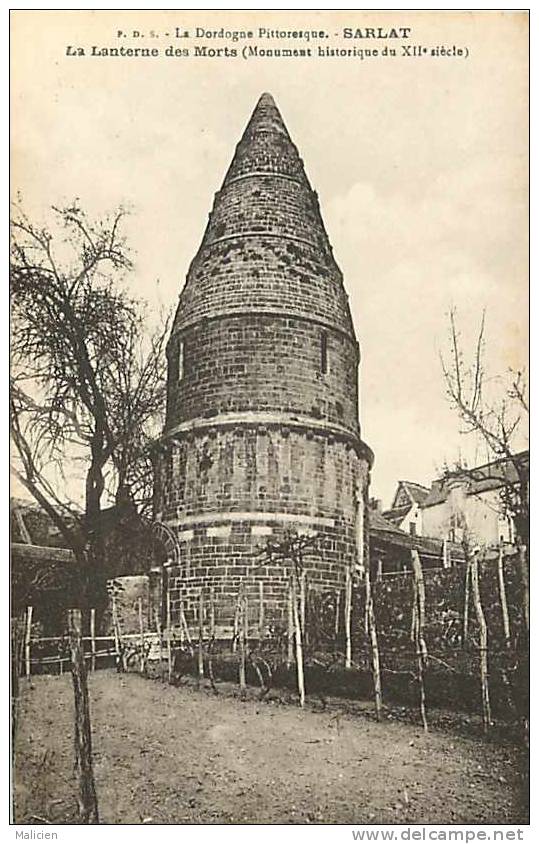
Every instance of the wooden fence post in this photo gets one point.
(418, 625)
(261, 610)
(200, 673)
(86, 796)
(20, 650)
(466, 611)
(370, 623)
(337, 611)
(483, 641)
(302, 603)
(15, 636)
(122, 664)
(525, 578)
(169, 633)
(242, 624)
(211, 630)
(446, 557)
(184, 626)
(142, 639)
(237, 622)
(290, 629)
(92, 638)
(181, 616)
(348, 617)
(211, 640)
(299, 644)
(503, 599)
(28, 641)
(160, 636)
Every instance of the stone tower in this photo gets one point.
(262, 432)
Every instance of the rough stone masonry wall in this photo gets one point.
(264, 272)
(221, 557)
(257, 482)
(258, 362)
(262, 430)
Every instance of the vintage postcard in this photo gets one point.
(269, 421)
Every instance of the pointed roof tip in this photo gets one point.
(266, 146)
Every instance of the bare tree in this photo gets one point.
(87, 381)
(497, 420)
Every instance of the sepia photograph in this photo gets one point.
(269, 420)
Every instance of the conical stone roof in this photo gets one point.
(265, 247)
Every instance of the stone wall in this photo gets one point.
(264, 273)
(258, 483)
(268, 468)
(128, 591)
(262, 432)
(267, 363)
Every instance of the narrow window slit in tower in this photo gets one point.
(324, 353)
(180, 361)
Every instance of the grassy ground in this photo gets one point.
(178, 755)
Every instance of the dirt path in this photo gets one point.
(168, 755)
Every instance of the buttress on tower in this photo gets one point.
(262, 433)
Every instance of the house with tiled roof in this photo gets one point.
(472, 502)
(465, 503)
(391, 547)
(43, 571)
(405, 511)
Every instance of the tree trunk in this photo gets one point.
(94, 577)
(87, 799)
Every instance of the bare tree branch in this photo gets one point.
(497, 421)
(88, 382)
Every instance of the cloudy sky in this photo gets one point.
(420, 165)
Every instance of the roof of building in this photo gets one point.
(397, 514)
(30, 525)
(41, 553)
(489, 476)
(265, 247)
(385, 532)
(417, 492)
